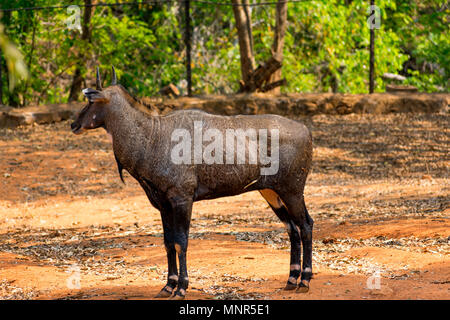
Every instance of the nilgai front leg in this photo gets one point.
(182, 210)
(169, 243)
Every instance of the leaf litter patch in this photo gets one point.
(406, 153)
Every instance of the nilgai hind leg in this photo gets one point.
(290, 208)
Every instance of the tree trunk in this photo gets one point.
(86, 36)
(278, 41)
(30, 59)
(267, 77)
(244, 29)
(1, 78)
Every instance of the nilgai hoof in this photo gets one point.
(163, 294)
(303, 288)
(177, 297)
(290, 286)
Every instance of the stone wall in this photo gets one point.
(286, 104)
(13, 117)
(308, 104)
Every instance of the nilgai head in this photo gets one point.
(92, 116)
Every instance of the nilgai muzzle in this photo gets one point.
(190, 155)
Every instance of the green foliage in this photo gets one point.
(14, 61)
(424, 30)
(330, 44)
(326, 46)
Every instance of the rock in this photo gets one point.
(392, 76)
(327, 108)
(170, 90)
(400, 88)
(311, 107)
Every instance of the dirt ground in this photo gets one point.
(379, 194)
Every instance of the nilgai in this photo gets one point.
(157, 151)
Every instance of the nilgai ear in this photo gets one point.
(94, 95)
